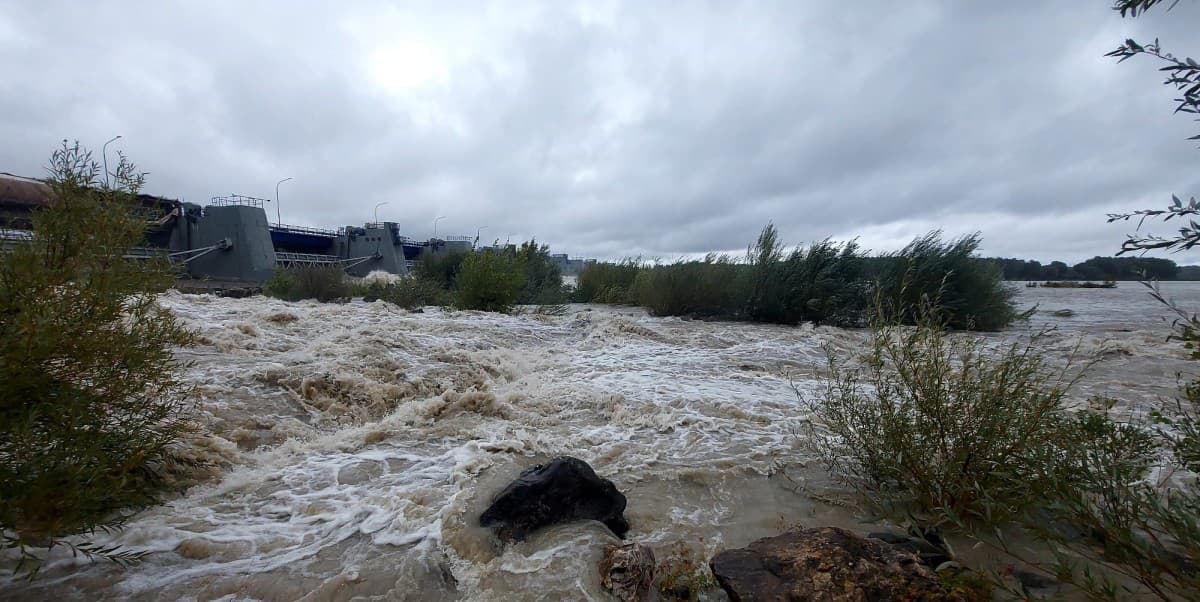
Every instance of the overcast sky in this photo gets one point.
(617, 129)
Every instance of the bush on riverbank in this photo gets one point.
(463, 279)
(710, 288)
(967, 291)
(91, 392)
(946, 432)
(409, 293)
(441, 268)
(323, 283)
(489, 281)
(604, 282)
(822, 283)
(825, 283)
(543, 279)
(938, 426)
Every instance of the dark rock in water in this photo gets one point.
(1062, 313)
(930, 550)
(627, 571)
(564, 490)
(236, 293)
(418, 310)
(827, 564)
(370, 298)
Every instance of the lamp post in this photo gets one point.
(377, 206)
(104, 151)
(435, 221)
(278, 220)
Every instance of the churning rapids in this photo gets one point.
(356, 444)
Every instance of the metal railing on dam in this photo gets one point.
(294, 260)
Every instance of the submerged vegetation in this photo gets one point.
(91, 393)
(323, 283)
(825, 283)
(967, 293)
(487, 280)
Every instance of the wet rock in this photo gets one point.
(236, 293)
(627, 571)
(563, 490)
(930, 549)
(826, 564)
(1062, 313)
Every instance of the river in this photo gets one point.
(355, 444)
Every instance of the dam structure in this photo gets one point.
(230, 242)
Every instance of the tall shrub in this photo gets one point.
(969, 292)
(824, 285)
(489, 281)
(944, 427)
(91, 394)
(441, 267)
(605, 282)
(714, 287)
(320, 282)
(768, 279)
(543, 279)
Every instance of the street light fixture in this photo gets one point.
(377, 206)
(104, 151)
(435, 221)
(278, 220)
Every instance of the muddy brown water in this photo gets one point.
(356, 444)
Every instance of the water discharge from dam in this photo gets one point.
(355, 444)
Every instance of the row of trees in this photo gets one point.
(1096, 268)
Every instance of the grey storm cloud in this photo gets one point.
(613, 129)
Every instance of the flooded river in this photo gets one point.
(356, 444)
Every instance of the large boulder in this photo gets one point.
(826, 565)
(563, 490)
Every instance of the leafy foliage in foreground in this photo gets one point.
(91, 396)
(936, 426)
(943, 431)
(1184, 75)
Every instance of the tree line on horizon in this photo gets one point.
(1097, 269)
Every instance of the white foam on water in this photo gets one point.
(355, 444)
